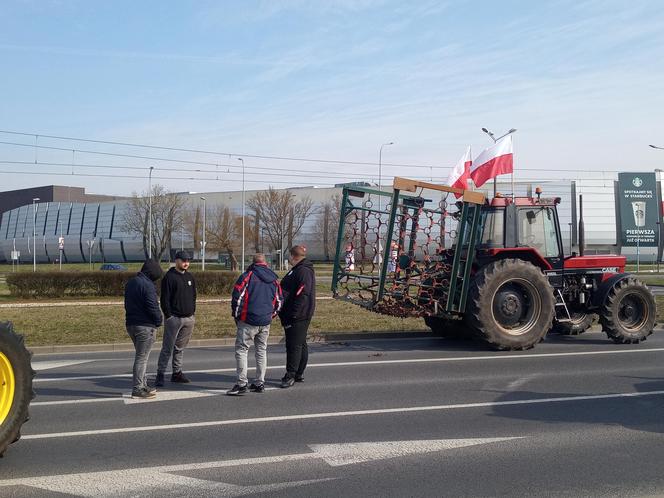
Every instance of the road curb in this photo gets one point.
(335, 337)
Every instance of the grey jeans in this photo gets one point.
(143, 339)
(246, 334)
(177, 332)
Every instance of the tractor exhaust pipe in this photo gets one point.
(582, 235)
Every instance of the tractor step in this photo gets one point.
(560, 303)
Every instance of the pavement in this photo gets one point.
(411, 416)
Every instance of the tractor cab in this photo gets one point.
(523, 227)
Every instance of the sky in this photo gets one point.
(329, 80)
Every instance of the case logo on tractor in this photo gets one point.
(610, 269)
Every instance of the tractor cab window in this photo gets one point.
(493, 234)
(537, 229)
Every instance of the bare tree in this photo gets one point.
(167, 210)
(222, 232)
(327, 224)
(280, 216)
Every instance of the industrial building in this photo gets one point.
(93, 226)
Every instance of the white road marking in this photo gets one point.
(153, 479)
(355, 413)
(50, 364)
(495, 356)
(128, 400)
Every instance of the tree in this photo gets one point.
(167, 210)
(327, 224)
(222, 232)
(280, 216)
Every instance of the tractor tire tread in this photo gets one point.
(608, 320)
(484, 328)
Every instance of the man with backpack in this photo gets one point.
(255, 302)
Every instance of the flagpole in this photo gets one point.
(513, 189)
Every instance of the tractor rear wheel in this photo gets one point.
(628, 313)
(450, 329)
(15, 385)
(580, 322)
(511, 304)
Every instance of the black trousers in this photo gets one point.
(297, 352)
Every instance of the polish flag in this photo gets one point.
(496, 160)
(459, 175)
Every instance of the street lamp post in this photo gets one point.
(150, 212)
(659, 223)
(204, 243)
(34, 233)
(380, 171)
(242, 161)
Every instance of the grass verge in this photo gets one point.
(105, 324)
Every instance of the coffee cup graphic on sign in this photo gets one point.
(639, 209)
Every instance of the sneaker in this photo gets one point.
(287, 381)
(299, 378)
(143, 394)
(159, 380)
(257, 388)
(151, 389)
(179, 378)
(237, 390)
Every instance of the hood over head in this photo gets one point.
(305, 262)
(152, 270)
(263, 272)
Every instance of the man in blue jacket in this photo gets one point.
(256, 301)
(143, 317)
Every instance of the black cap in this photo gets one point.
(152, 270)
(183, 255)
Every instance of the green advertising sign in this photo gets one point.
(639, 209)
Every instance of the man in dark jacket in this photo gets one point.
(143, 317)
(256, 301)
(299, 289)
(178, 302)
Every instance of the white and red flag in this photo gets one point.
(496, 160)
(459, 175)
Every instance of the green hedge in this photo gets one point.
(102, 283)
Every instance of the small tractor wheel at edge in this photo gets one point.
(15, 385)
(628, 313)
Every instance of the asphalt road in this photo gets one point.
(402, 417)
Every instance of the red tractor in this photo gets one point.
(494, 270)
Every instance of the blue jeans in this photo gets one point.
(143, 339)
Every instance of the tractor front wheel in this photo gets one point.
(511, 304)
(628, 313)
(15, 385)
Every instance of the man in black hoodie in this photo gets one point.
(143, 317)
(178, 302)
(299, 290)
